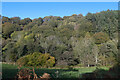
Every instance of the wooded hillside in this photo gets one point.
(72, 40)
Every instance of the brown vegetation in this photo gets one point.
(27, 74)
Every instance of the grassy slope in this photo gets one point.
(10, 71)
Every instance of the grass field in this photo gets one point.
(10, 71)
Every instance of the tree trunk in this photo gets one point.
(88, 65)
(96, 60)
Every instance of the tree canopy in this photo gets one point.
(71, 40)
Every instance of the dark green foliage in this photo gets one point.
(8, 28)
(25, 21)
(100, 37)
(15, 20)
(5, 19)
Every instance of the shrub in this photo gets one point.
(22, 61)
(50, 62)
(37, 59)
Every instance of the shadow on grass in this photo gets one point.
(11, 73)
(54, 72)
(112, 73)
(68, 74)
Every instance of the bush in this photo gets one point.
(50, 62)
(22, 61)
(37, 60)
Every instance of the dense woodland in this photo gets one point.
(75, 40)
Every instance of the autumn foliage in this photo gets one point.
(37, 60)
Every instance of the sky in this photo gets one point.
(42, 9)
(60, 0)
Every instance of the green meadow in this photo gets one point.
(10, 71)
